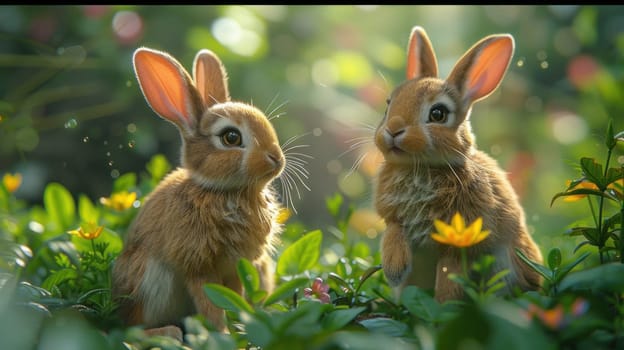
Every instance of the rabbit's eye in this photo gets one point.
(438, 114)
(231, 137)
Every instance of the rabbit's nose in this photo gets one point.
(275, 159)
(395, 133)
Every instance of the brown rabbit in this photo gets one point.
(217, 207)
(432, 170)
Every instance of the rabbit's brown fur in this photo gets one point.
(216, 208)
(432, 170)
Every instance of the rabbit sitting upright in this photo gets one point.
(218, 207)
(432, 170)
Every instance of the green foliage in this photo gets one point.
(330, 292)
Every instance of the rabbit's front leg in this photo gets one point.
(396, 254)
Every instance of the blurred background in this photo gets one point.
(71, 110)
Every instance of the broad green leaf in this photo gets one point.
(259, 331)
(554, 258)
(285, 290)
(87, 211)
(301, 255)
(420, 304)
(60, 206)
(226, 298)
(368, 341)
(593, 172)
(385, 326)
(469, 327)
(248, 275)
(257, 296)
(341, 317)
(510, 329)
(604, 278)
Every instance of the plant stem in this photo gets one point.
(600, 210)
(464, 261)
(622, 223)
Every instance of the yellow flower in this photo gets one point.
(283, 215)
(90, 231)
(586, 185)
(120, 200)
(12, 181)
(457, 234)
(580, 185)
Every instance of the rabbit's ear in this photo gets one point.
(210, 78)
(167, 87)
(421, 60)
(481, 69)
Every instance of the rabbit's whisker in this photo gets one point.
(461, 184)
(293, 139)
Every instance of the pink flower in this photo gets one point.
(319, 290)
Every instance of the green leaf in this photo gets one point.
(335, 277)
(563, 271)
(499, 275)
(333, 204)
(614, 174)
(610, 140)
(158, 167)
(340, 318)
(367, 274)
(125, 182)
(285, 290)
(420, 304)
(554, 258)
(59, 277)
(604, 278)
(87, 210)
(226, 298)
(248, 275)
(110, 238)
(301, 255)
(593, 172)
(579, 191)
(385, 326)
(60, 206)
(542, 270)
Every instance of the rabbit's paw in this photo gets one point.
(396, 257)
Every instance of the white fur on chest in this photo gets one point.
(410, 195)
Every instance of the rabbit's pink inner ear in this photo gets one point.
(489, 67)
(210, 78)
(421, 60)
(165, 86)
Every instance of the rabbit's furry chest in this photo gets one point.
(198, 229)
(415, 197)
